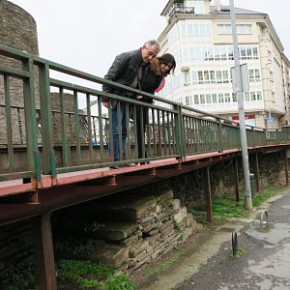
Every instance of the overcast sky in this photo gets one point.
(88, 34)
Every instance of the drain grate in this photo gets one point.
(225, 229)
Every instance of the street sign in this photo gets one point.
(269, 120)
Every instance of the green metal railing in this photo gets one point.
(49, 126)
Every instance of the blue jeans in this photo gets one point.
(115, 132)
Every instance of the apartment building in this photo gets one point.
(199, 34)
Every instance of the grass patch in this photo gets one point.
(226, 208)
(240, 252)
(165, 265)
(20, 277)
(120, 282)
(266, 194)
(223, 208)
(87, 274)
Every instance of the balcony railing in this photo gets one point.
(180, 8)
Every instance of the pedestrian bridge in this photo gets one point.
(55, 148)
(55, 137)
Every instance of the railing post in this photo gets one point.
(180, 131)
(49, 164)
(30, 121)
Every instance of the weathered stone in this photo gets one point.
(164, 226)
(176, 205)
(167, 230)
(153, 232)
(110, 254)
(132, 239)
(166, 196)
(182, 214)
(158, 209)
(116, 232)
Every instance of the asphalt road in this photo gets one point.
(264, 262)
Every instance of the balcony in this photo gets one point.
(180, 8)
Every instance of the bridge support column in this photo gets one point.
(286, 167)
(257, 172)
(236, 171)
(46, 277)
(207, 192)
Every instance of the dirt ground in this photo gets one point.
(168, 262)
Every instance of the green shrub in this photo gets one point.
(120, 282)
(19, 278)
(83, 273)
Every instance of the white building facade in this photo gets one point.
(199, 35)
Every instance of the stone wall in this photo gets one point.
(134, 230)
(16, 246)
(17, 30)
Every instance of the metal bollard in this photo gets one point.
(235, 243)
(264, 222)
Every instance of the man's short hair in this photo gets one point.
(152, 42)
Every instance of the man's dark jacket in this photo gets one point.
(124, 70)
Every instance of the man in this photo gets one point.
(127, 70)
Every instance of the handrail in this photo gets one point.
(59, 131)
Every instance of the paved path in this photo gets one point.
(265, 263)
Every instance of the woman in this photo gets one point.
(152, 77)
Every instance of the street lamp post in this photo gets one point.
(243, 134)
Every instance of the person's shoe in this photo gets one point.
(146, 162)
(117, 166)
(131, 164)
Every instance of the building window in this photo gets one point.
(208, 98)
(221, 98)
(248, 52)
(234, 97)
(227, 98)
(200, 77)
(210, 77)
(254, 75)
(253, 96)
(219, 52)
(241, 29)
(196, 30)
(186, 78)
(224, 29)
(244, 29)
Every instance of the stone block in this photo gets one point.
(116, 231)
(182, 214)
(176, 205)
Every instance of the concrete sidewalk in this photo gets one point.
(203, 254)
